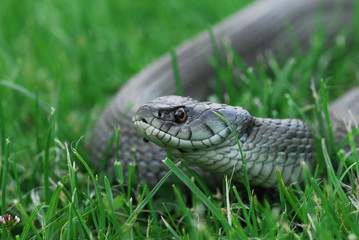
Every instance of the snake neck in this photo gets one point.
(267, 145)
(283, 144)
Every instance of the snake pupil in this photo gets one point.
(180, 115)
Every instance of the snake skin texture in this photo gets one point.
(264, 26)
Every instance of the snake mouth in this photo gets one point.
(145, 140)
(172, 142)
(149, 132)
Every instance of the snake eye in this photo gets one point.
(180, 115)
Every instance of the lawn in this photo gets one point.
(61, 61)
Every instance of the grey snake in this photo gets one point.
(202, 138)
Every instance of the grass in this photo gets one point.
(60, 61)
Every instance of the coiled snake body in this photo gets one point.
(202, 138)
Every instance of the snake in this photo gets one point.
(215, 139)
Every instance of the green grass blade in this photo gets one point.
(70, 224)
(172, 231)
(183, 177)
(46, 162)
(131, 219)
(130, 179)
(246, 180)
(245, 211)
(176, 73)
(29, 221)
(53, 207)
(111, 211)
(26, 92)
(2, 128)
(17, 182)
(117, 142)
(100, 207)
(197, 178)
(292, 200)
(4, 165)
(171, 218)
(332, 178)
(180, 201)
(119, 172)
(82, 222)
(326, 115)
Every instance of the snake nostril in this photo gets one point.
(144, 120)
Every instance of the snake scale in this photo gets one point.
(190, 130)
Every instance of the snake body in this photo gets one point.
(266, 25)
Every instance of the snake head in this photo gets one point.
(183, 126)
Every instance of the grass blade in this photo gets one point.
(46, 162)
(130, 221)
(326, 115)
(185, 179)
(111, 211)
(4, 172)
(172, 231)
(176, 73)
(100, 207)
(28, 221)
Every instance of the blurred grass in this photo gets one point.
(73, 55)
(76, 54)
